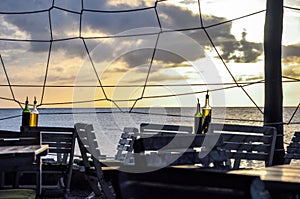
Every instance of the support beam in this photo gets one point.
(273, 74)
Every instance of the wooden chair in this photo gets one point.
(125, 146)
(247, 142)
(293, 149)
(89, 149)
(179, 149)
(61, 141)
(189, 183)
(13, 138)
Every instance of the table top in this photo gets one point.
(26, 149)
(285, 176)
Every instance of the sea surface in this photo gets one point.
(109, 123)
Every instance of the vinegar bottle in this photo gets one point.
(198, 120)
(206, 114)
(34, 114)
(26, 114)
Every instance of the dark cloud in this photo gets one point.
(174, 17)
(174, 48)
(116, 23)
(24, 6)
(292, 71)
(291, 66)
(291, 50)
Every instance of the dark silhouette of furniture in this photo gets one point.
(247, 142)
(181, 183)
(59, 161)
(293, 149)
(91, 156)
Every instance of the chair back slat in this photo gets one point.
(154, 128)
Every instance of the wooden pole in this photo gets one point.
(273, 74)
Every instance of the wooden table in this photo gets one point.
(23, 158)
(281, 180)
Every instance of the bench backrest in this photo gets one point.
(13, 138)
(247, 142)
(179, 149)
(188, 183)
(156, 128)
(293, 149)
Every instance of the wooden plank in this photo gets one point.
(295, 156)
(247, 147)
(245, 138)
(184, 183)
(46, 129)
(247, 155)
(294, 145)
(125, 142)
(59, 150)
(146, 127)
(296, 139)
(293, 149)
(57, 137)
(59, 144)
(178, 142)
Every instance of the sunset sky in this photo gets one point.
(99, 50)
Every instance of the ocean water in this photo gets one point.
(109, 123)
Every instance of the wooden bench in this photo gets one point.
(293, 149)
(61, 141)
(247, 142)
(89, 149)
(178, 183)
(162, 150)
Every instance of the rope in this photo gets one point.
(201, 26)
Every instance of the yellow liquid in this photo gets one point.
(206, 112)
(33, 120)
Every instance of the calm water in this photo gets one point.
(108, 123)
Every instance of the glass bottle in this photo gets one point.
(198, 120)
(206, 114)
(26, 114)
(34, 114)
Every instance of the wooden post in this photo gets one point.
(273, 74)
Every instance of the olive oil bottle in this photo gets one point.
(198, 120)
(34, 115)
(206, 114)
(26, 114)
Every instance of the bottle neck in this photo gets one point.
(26, 109)
(198, 108)
(198, 112)
(35, 109)
(207, 102)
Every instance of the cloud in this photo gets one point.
(133, 51)
(291, 67)
(291, 51)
